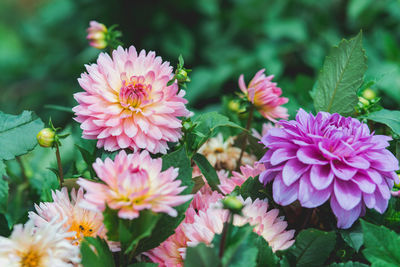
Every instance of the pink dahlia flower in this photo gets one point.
(265, 96)
(266, 223)
(127, 103)
(97, 35)
(81, 221)
(133, 183)
(329, 157)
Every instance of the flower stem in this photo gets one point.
(248, 125)
(225, 234)
(60, 169)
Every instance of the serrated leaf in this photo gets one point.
(208, 171)
(312, 247)
(353, 236)
(201, 256)
(341, 75)
(265, 255)
(166, 225)
(3, 188)
(381, 245)
(18, 134)
(391, 118)
(101, 257)
(251, 188)
(348, 264)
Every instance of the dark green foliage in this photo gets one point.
(101, 257)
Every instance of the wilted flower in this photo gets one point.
(45, 246)
(317, 158)
(81, 221)
(133, 183)
(265, 96)
(127, 103)
(222, 154)
(266, 223)
(46, 137)
(97, 35)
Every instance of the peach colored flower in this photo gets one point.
(265, 96)
(81, 221)
(222, 154)
(133, 183)
(127, 103)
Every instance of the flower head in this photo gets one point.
(45, 246)
(97, 35)
(127, 103)
(133, 183)
(46, 137)
(81, 221)
(329, 157)
(265, 96)
(223, 154)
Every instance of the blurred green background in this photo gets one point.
(43, 47)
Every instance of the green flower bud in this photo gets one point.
(369, 94)
(46, 137)
(232, 203)
(181, 76)
(364, 101)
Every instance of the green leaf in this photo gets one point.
(381, 245)
(240, 246)
(18, 134)
(208, 171)
(3, 188)
(166, 225)
(391, 118)
(207, 123)
(353, 236)
(265, 255)
(111, 222)
(348, 264)
(143, 264)
(201, 256)
(100, 257)
(312, 247)
(340, 77)
(251, 188)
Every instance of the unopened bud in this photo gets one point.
(181, 76)
(364, 101)
(234, 105)
(97, 35)
(369, 94)
(46, 137)
(232, 203)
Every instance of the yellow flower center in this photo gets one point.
(82, 229)
(134, 93)
(31, 258)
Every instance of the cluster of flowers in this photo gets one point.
(128, 104)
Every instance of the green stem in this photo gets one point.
(60, 169)
(21, 165)
(248, 125)
(225, 234)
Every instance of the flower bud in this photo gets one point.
(181, 76)
(97, 35)
(369, 94)
(234, 105)
(364, 101)
(232, 203)
(46, 137)
(397, 185)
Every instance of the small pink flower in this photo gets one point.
(127, 103)
(265, 128)
(133, 183)
(97, 35)
(265, 96)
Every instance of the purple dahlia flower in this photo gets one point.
(329, 157)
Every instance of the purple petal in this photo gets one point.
(326, 152)
(384, 190)
(364, 183)
(380, 203)
(347, 194)
(321, 176)
(375, 176)
(345, 218)
(309, 155)
(369, 200)
(383, 160)
(357, 162)
(282, 194)
(267, 176)
(281, 155)
(308, 196)
(292, 171)
(342, 170)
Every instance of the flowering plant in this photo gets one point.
(156, 184)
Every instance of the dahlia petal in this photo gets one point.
(348, 195)
(292, 171)
(342, 170)
(321, 176)
(309, 155)
(364, 183)
(369, 200)
(309, 197)
(345, 218)
(282, 194)
(357, 162)
(281, 155)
